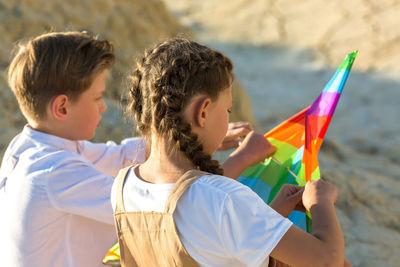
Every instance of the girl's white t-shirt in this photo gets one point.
(220, 221)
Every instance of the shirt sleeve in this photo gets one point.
(110, 157)
(76, 186)
(250, 229)
(114, 192)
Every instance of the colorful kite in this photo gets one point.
(113, 256)
(298, 141)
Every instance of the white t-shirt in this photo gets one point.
(220, 221)
(55, 199)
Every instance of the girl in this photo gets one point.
(176, 209)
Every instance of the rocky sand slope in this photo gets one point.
(284, 52)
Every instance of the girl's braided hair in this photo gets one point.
(164, 81)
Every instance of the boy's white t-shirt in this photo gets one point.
(55, 199)
(220, 221)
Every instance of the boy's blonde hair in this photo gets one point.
(53, 64)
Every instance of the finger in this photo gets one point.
(298, 198)
(230, 144)
(298, 195)
(300, 207)
(271, 151)
(240, 124)
(295, 187)
(238, 132)
(292, 189)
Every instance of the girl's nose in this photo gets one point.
(103, 106)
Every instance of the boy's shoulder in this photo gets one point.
(33, 151)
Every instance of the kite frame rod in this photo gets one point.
(287, 168)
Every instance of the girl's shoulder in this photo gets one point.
(219, 184)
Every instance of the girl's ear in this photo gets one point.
(201, 111)
(59, 107)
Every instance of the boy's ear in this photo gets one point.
(201, 111)
(59, 107)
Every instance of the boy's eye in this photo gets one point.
(229, 110)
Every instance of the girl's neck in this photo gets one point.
(164, 165)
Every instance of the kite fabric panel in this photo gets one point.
(298, 141)
(113, 256)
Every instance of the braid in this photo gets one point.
(193, 149)
(136, 104)
(167, 110)
(164, 82)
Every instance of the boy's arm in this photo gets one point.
(74, 185)
(110, 157)
(254, 149)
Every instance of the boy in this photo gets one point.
(55, 189)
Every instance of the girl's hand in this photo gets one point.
(288, 199)
(252, 150)
(319, 192)
(236, 132)
(255, 148)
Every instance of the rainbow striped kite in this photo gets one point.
(298, 141)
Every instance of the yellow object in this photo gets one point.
(113, 256)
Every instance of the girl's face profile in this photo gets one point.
(217, 121)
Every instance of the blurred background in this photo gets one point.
(284, 52)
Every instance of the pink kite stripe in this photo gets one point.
(325, 104)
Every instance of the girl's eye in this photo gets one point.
(229, 110)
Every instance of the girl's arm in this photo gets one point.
(325, 246)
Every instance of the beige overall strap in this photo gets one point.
(119, 207)
(180, 187)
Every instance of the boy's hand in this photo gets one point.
(319, 192)
(288, 199)
(236, 132)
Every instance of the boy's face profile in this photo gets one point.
(85, 112)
